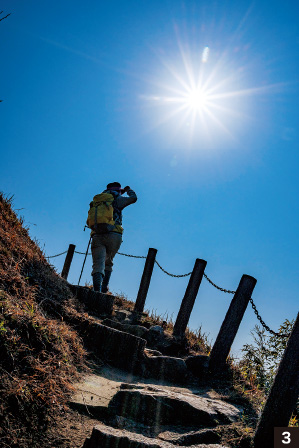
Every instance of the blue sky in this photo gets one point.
(195, 106)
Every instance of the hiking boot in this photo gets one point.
(97, 281)
(106, 281)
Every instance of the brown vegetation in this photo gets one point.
(40, 354)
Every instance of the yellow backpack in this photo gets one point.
(100, 214)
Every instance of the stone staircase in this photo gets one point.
(149, 415)
(159, 407)
(107, 437)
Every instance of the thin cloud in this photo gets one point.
(72, 50)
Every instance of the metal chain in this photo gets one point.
(53, 256)
(131, 256)
(263, 323)
(172, 275)
(119, 253)
(218, 287)
(186, 275)
(254, 309)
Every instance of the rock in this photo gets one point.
(135, 317)
(157, 339)
(136, 330)
(191, 438)
(129, 316)
(94, 392)
(118, 348)
(198, 364)
(151, 352)
(132, 426)
(106, 437)
(155, 335)
(173, 347)
(156, 329)
(97, 303)
(171, 434)
(98, 412)
(163, 407)
(121, 315)
(167, 368)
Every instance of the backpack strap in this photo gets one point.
(96, 218)
(117, 214)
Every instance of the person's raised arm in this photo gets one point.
(124, 202)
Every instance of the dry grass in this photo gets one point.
(40, 354)
(122, 302)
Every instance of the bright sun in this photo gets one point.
(203, 97)
(197, 99)
(197, 94)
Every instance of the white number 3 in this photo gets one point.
(287, 437)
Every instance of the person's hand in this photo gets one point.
(127, 188)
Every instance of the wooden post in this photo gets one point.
(68, 261)
(189, 298)
(283, 394)
(231, 323)
(145, 280)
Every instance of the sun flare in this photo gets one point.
(197, 99)
(202, 94)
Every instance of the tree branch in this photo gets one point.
(2, 18)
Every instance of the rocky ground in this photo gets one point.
(146, 390)
(136, 384)
(96, 403)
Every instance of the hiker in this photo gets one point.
(105, 220)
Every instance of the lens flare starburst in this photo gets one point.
(197, 99)
(204, 95)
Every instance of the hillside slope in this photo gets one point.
(40, 354)
(49, 341)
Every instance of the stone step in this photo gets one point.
(136, 330)
(107, 437)
(97, 303)
(191, 438)
(166, 368)
(154, 335)
(155, 407)
(119, 349)
(198, 365)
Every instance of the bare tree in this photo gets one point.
(2, 18)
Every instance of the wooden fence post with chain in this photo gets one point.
(231, 323)
(189, 298)
(68, 261)
(145, 280)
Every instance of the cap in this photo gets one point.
(114, 186)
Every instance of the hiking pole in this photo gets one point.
(84, 260)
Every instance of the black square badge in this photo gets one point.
(286, 437)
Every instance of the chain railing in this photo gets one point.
(218, 287)
(82, 253)
(267, 328)
(172, 275)
(58, 255)
(131, 256)
(280, 335)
